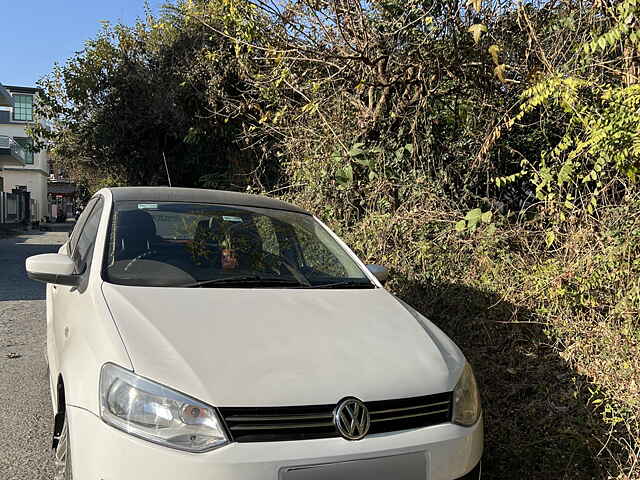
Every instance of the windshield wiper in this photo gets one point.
(252, 280)
(346, 284)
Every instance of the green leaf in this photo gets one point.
(476, 31)
(602, 42)
(494, 50)
(486, 216)
(344, 176)
(311, 107)
(550, 237)
(461, 225)
(500, 72)
(473, 217)
(474, 214)
(565, 172)
(477, 4)
(356, 149)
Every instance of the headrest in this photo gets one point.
(137, 220)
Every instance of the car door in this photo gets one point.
(53, 290)
(71, 304)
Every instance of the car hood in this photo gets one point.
(269, 347)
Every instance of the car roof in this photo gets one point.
(197, 195)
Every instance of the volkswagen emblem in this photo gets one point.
(352, 419)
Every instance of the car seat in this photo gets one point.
(135, 234)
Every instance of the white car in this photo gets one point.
(200, 334)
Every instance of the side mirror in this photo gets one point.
(52, 268)
(380, 272)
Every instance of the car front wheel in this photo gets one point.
(62, 455)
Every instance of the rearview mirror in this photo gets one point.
(52, 268)
(380, 272)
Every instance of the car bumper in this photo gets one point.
(101, 452)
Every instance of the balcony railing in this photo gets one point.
(12, 147)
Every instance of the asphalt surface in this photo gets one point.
(25, 406)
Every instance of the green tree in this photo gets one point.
(136, 95)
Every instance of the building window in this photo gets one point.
(26, 143)
(23, 108)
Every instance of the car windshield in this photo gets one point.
(175, 244)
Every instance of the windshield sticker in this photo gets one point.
(147, 205)
(228, 218)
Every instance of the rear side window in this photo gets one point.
(87, 238)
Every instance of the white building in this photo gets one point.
(20, 168)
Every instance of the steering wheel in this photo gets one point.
(287, 264)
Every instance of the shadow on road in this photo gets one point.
(57, 227)
(537, 420)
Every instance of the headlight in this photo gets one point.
(466, 399)
(156, 413)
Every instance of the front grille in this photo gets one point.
(408, 413)
(270, 424)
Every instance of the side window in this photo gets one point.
(87, 239)
(80, 224)
(27, 144)
(23, 108)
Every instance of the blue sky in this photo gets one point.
(35, 34)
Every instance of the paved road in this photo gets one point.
(25, 408)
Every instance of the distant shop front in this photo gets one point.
(63, 201)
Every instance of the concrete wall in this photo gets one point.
(35, 181)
